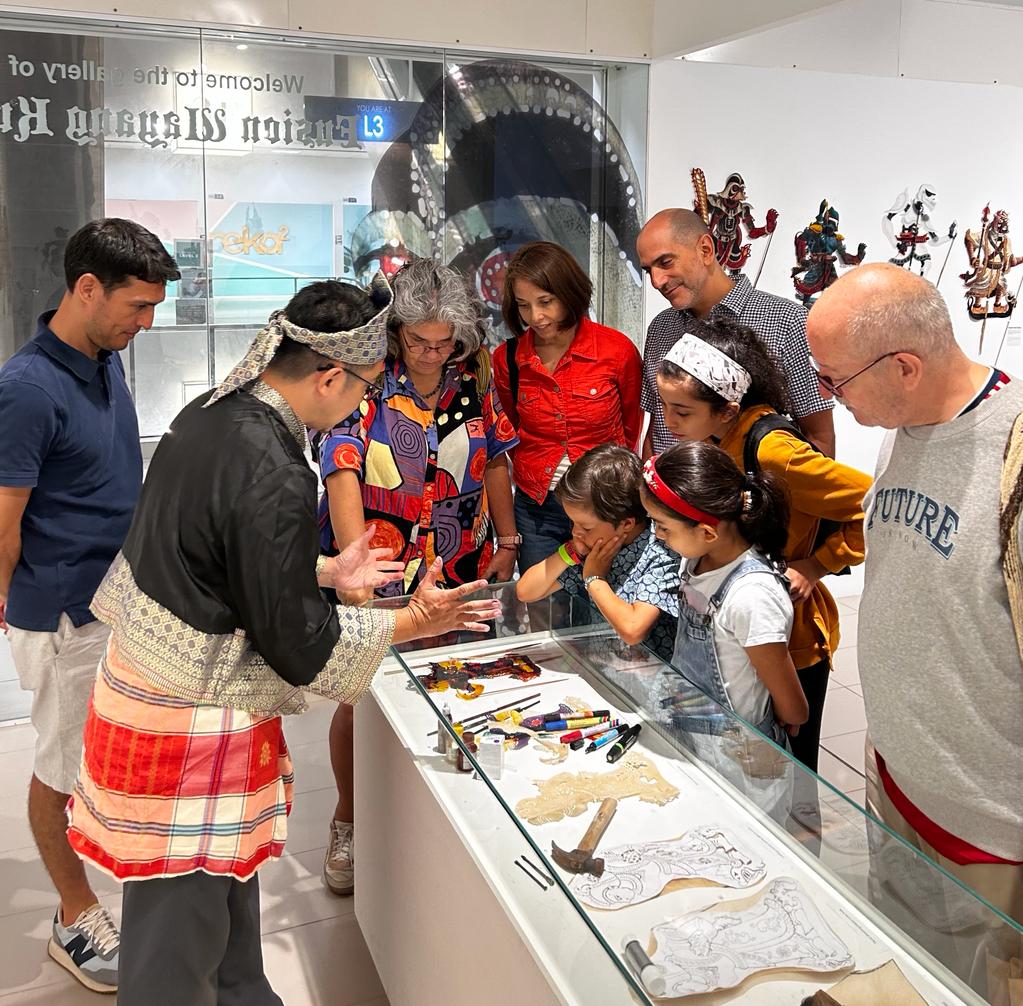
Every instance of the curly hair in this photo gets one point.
(426, 291)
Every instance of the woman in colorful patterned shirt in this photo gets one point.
(424, 462)
(567, 383)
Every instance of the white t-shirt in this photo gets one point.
(756, 610)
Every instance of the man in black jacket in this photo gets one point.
(218, 622)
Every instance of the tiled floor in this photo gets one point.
(845, 725)
(313, 947)
(314, 951)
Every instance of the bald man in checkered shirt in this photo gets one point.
(677, 253)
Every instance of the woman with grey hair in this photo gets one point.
(424, 462)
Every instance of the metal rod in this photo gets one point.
(536, 869)
(527, 703)
(770, 238)
(945, 263)
(1008, 322)
(539, 883)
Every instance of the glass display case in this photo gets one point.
(686, 856)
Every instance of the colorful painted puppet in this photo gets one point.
(991, 258)
(459, 673)
(726, 213)
(818, 246)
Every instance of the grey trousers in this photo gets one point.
(192, 941)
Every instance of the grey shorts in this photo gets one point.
(59, 669)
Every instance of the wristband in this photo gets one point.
(321, 565)
(569, 558)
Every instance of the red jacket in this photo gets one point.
(591, 398)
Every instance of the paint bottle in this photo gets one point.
(453, 749)
(443, 738)
(461, 762)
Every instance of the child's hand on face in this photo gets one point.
(599, 558)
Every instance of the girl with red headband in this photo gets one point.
(719, 384)
(735, 613)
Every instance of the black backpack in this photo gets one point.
(768, 424)
(512, 345)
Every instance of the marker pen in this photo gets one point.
(597, 728)
(580, 715)
(554, 726)
(624, 743)
(650, 974)
(604, 739)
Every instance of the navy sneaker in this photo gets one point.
(88, 948)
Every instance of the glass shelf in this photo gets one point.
(879, 897)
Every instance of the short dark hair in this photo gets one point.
(116, 251)
(551, 268)
(325, 306)
(606, 480)
(744, 346)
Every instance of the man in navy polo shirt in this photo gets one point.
(70, 473)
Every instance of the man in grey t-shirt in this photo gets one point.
(939, 662)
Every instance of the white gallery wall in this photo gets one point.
(800, 136)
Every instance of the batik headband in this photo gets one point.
(672, 500)
(711, 367)
(359, 347)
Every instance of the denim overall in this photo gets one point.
(696, 657)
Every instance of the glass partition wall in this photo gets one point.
(266, 162)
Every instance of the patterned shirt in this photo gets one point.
(644, 570)
(781, 325)
(421, 470)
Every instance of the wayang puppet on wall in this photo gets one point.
(991, 259)
(726, 213)
(819, 246)
(503, 153)
(912, 230)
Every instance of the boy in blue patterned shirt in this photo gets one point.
(613, 556)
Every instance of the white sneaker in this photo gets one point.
(339, 863)
(88, 948)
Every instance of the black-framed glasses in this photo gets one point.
(834, 387)
(373, 387)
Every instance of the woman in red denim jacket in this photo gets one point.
(577, 382)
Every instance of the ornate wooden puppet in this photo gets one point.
(991, 259)
(911, 228)
(726, 213)
(818, 246)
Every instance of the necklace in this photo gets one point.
(433, 391)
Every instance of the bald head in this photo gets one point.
(685, 226)
(880, 308)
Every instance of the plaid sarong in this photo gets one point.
(167, 787)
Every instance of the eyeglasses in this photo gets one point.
(419, 348)
(834, 387)
(373, 387)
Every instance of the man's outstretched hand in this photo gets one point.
(432, 610)
(360, 570)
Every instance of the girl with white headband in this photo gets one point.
(719, 384)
